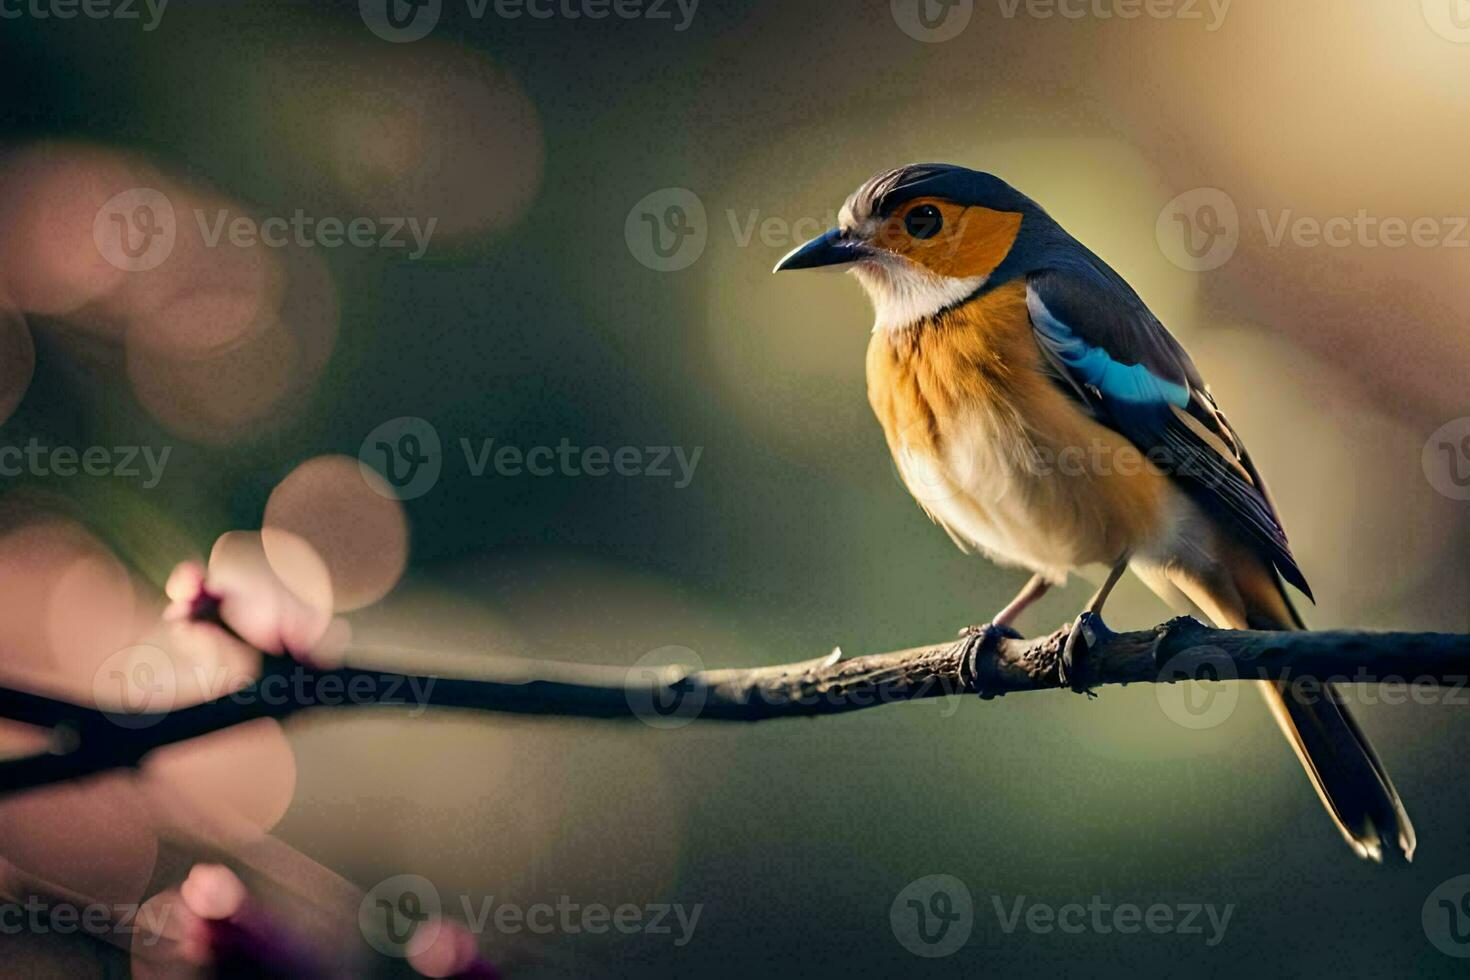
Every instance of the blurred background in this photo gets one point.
(564, 228)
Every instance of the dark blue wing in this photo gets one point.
(1115, 356)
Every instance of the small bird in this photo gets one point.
(1042, 415)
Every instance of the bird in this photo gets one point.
(1044, 417)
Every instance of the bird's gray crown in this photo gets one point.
(882, 193)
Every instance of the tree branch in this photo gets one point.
(983, 662)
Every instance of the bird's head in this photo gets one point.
(922, 239)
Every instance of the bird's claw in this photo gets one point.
(981, 629)
(1088, 632)
(975, 640)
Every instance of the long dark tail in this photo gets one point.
(1345, 771)
(1338, 758)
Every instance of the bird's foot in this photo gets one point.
(975, 641)
(980, 631)
(1088, 632)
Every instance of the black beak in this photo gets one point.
(824, 250)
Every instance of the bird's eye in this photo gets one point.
(924, 221)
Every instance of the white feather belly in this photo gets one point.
(1004, 491)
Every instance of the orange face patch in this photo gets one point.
(949, 239)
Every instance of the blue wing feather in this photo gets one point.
(1124, 385)
(1115, 356)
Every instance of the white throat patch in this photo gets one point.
(903, 293)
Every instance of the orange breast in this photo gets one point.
(996, 452)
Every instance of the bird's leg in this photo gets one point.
(1087, 629)
(1030, 592)
(973, 638)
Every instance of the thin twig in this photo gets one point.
(982, 662)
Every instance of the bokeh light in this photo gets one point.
(360, 532)
(259, 602)
(213, 891)
(216, 363)
(232, 784)
(66, 603)
(431, 130)
(17, 360)
(50, 194)
(92, 839)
